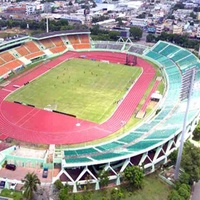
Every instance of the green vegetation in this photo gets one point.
(196, 133)
(136, 33)
(181, 40)
(190, 164)
(90, 90)
(105, 35)
(39, 26)
(152, 188)
(11, 194)
(190, 161)
(134, 175)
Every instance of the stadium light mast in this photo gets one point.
(186, 92)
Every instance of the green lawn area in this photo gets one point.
(153, 189)
(84, 88)
(11, 194)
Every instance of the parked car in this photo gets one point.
(45, 173)
(11, 167)
(2, 184)
(13, 186)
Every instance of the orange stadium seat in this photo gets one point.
(32, 47)
(1, 61)
(6, 56)
(3, 70)
(57, 41)
(22, 50)
(10, 66)
(81, 46)
(13, 64)
(47, 43)
(34, 55)
(73, 39)
(58, 49)
(84, 38)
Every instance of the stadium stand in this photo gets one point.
(1, 61)
(108, 45)
(73, 39)
(57, 41)
(32, 47)
(137, 49)
(47, 43)
(84, 38)
(6, 56)
(160, 133)
(22, 50)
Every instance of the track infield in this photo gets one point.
(91, 90)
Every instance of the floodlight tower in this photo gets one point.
(186, 92)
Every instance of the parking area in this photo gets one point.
(20, 173)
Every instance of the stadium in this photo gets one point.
(79, 146)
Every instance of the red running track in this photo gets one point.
(33, 125)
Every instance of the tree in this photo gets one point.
(150, 38)
(191, 161)
(136, 33)
(173, 157)
(116, 194)
(114, 35)
(119, 21)
(58, 185)
(103, 178)
(174, 195)
(134, 175)
(30, 185)
(184, 191)
(184, 178)
(196, 133)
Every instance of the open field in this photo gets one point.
(88, 89)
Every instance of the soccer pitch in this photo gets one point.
(88, 89)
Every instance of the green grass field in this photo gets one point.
(84, 88)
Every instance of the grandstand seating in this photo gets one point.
(179, 55)
(1, 61)
(32, 47)
(160, 46)
(22, 50)
(13, 64)
(3, 70)
(10, 66)
(79, 41)
(136, 49)
(58, 49)
(73, 39)
(55, 45)
(6, 56)
(35, 55)
(47, 43)
(81, 46)
(169, 50)
(106, 45)
(84, 38)
(57, 41)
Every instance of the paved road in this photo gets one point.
(196, 192)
